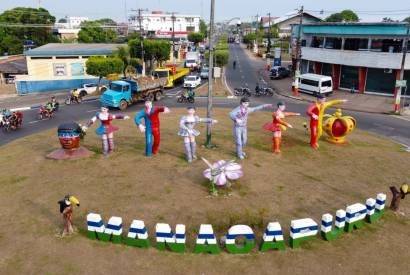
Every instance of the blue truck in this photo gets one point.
(124, 92)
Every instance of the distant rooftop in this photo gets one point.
(74, 49)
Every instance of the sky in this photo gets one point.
(368, 10)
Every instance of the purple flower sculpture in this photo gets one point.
(221, 171)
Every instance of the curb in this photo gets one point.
(37, 106)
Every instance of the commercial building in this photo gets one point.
(364, 56)
(60, 66)
(160, 25)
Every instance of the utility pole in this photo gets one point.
(141, 39)
(173, 37)
(298, 55)
(208, 143)
(403, 61)
(269, 36)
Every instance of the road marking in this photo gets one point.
(403, 118)
(35, 121)
(91, 111)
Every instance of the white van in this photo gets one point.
(315, 84)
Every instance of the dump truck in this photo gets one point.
(172, 73)
(124, 92)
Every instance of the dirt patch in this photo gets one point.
(300, 183)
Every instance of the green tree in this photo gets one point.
(221, 58)
(249, 38)
(129, 62)
(407, 19)
(12, 38)
(203, 28)
(93, 32)
(102, 67)
(196, 37)
(343, 16)
(155, 50)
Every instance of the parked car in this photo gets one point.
(192, 81)
(315, 84)
(278, 72)
(204, 73)
(88, 89)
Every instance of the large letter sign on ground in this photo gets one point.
(355, 214)
(138, 234)
(95, 226)
(206, 240)
(327, 221)
(111, 232)
(273, 238)
(238, 231)
(301, 230)
(165, 236)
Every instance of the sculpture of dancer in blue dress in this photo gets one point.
(106, 130)
(188, 132)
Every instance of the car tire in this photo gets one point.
(123, 105)
(83, 93)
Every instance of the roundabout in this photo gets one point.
(298, 184)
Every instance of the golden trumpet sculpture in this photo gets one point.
(338, 127)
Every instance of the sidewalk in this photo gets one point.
(356, 102)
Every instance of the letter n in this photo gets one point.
(165, 236)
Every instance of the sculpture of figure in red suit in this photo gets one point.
(278, 125)
(315, 112)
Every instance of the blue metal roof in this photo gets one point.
(80, 52)
(382, 29)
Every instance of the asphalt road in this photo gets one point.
(247, 73)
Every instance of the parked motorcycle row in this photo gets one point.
(259, 91)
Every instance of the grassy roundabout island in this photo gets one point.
(299, 183)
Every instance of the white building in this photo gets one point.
(159, 24)
(69, 27)
(71, 22)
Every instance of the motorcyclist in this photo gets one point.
(234, 64)
(52, 105)
(189, 93)
(5, 112)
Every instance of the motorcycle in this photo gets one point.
(242, 92)
(266, 91)
(73, 99)
(186, 99)
(45, 113)
(12, 122)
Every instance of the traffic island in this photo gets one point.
(275, 190)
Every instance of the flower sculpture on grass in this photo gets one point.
(220, 172)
